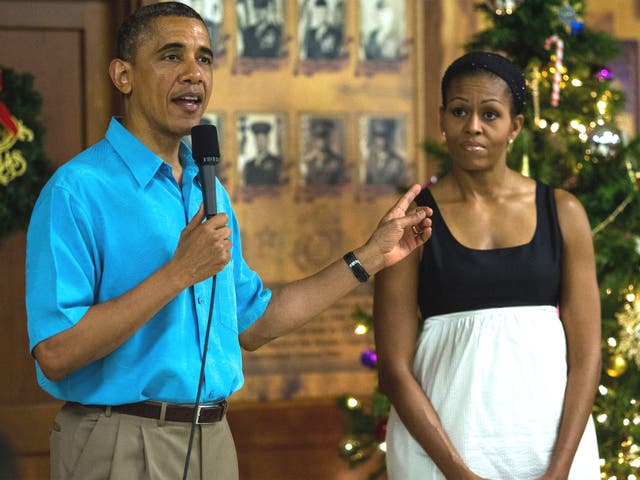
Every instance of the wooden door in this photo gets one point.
(66, 46)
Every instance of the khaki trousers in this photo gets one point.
(86, 444)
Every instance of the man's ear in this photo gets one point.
(120, 73)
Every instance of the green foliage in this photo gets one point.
(521, 36)
(18, 197)
(367, 427)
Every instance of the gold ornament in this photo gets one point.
(616, 365)
(12, 162)
(503, 7)
(629, 320)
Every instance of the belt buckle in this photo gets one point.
(222, 408)
(198, 411)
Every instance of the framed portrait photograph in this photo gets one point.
(322, 151)
(260, 28)
(260, 140)
(382, 30)
(217, 120)
(212, 12)
(383, 150)
(321, 29)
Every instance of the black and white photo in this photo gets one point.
(260, 144)
(260, 28)
(382, 29)
(322, 161)
(321, 25)
(383, 150)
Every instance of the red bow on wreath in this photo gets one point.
(5, 115)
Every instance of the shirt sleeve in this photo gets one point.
(60, 264)
(251, 296)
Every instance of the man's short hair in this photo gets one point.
(139, 22)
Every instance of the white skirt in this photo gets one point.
(497, 379)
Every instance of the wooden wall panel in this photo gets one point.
(286, 440)
(65, 45)
(16, 365)
(43, 53)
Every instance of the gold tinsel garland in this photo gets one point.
(629, 320)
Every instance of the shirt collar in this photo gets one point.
(141, 161)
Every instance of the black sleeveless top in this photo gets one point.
(455, 278)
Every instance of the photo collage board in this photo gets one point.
(317, 105)
(311, 149)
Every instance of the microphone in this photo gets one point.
(206, 153)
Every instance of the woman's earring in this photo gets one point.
(510, 141)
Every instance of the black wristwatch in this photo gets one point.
(356, 267)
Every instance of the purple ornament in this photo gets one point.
(369, 358)
(604, 74)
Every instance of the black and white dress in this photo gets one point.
(492, 355)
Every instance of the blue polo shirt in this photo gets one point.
(104, 222)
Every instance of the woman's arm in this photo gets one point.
(396, 329)
(580, 315)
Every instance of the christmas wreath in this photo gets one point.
(24, 168)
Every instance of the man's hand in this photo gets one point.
(403, 229)
(204, 248)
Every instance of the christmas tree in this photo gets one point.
(572, 139)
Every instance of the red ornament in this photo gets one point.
(5, 115)
(381, 430)
(7, 121)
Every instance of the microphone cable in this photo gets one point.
(196, 406)
(206, 153)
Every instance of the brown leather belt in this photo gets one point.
(206, 412)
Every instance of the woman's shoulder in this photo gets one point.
(571, 214)
(566, 202)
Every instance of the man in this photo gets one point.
(323, 166)
(119, 267)
(264, 168)
(381, 42)
(384, 165)
(323, 40)
(262, 38)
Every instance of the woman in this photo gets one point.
(500, 382)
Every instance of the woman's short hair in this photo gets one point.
(474, 62)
